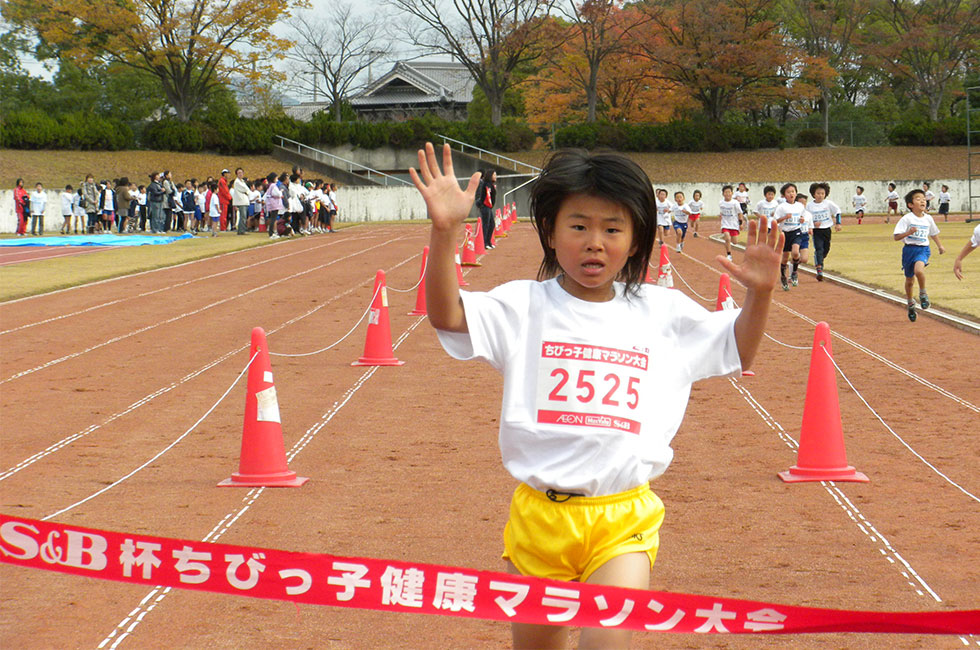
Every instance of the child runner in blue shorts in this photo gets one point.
(789, 216)
(597, 366)
(914, 230)
(679, 213)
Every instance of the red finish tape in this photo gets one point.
(388, 585)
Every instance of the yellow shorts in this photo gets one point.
(569, 540)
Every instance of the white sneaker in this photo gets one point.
(729, 256)
(273, 236)
(679, 248)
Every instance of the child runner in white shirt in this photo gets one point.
(214, 210)
(78, 212)
(663, 216)
(767, 206)
(914, 230)
(859, 200)
(944, 199)
(742, 196)
(596, 365)
(66, 209)
(731, 218)
(695, 207)
(789, 216)
(806, 229)
(929, 196)
(680, 213)
(826, 218)
(892, 202)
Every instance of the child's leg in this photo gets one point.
(920, 276)
(528, 635)
(909, 283)
(728, 244)
(632, 571)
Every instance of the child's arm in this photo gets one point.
(935, 238)
(447, 205)
(899, 236)
(958, 264)
(759, 272)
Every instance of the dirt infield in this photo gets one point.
(403, 462)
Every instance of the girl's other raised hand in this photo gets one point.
(447, 204)
(759, 269)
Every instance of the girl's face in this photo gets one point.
(741, 187)
(790, 194)
(592, 240)
(819, 194)
(770, 196)
(661, 196)
(697, 196)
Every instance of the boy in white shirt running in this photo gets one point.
(892, 199)
(583, 427)
(695, 207)
(826, 219)
(663, 216)
(789, 216)
(944, 199)
(679, 213)
(929, 196)
(915, 229)
(767, 206)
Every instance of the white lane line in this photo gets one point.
(883, 546)
(172, 319)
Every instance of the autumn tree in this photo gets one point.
(924, 43)
(723, 53)
(492, 38)
(191, 46)
(337, 47)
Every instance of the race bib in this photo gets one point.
(590, 386)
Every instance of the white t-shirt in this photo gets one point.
(333, 200)
(741, 196)
(793, 213)
(76, 205)
(766, 209)
(729, 211)
(214, 210)
(66, 201)
(893, 196)
(679, 212)
(695, 207)
(593, 392)
(859, 201)
(944, 197)
(141, 198)
(663, 213)
(929, 195)
(925, 228)
(975, 239)
(823, 213)
(807, 225)
(199, 199)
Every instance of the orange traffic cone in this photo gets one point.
(665, 278)
(469, 250)
(505, 221)
(725, 300)
(377, 345)
(649, 279)
(459, 272)
(420, 294)
(821, 456)
(499, 225)
(262, 462)
(481, 248)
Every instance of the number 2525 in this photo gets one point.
(585, 385)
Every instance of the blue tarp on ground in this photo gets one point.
(94, 240)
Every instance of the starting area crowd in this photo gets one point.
(280, 204)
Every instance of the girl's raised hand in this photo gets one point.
(447, 204)
(759, 269)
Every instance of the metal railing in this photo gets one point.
(340, 163)
(490, 155)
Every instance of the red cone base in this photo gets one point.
(262, 462)
(821, 456)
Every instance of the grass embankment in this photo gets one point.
(42, 276)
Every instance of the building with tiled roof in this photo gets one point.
(413, 88)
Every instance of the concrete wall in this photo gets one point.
(365, 204)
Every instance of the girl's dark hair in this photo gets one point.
(815, 186)
(609, 176)
(271, 178)
(769, 188)
(782, 190)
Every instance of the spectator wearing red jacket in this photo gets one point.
(20, 201)
(224, 198)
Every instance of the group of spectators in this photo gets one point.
(281, 204)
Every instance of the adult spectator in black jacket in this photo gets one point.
(486, 197)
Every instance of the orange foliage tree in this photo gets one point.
(191, 46)
(723, 53)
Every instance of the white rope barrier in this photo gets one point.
(677, 273)
(421, 277)
(165, 449)
(892, 431)
(337, 342)
(787, 345)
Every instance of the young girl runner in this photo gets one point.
(695, 206)
(742, 196)
(859, 200)
(789, 216)
(680, 213)
(597, 366)
(826, 218)
(663, 216)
